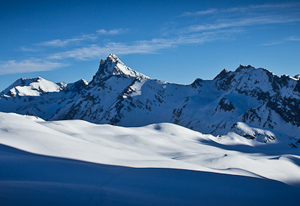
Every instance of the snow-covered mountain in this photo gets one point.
(254, 103)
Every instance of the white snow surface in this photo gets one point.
(158, 145)
(32, 87)
(229, 162)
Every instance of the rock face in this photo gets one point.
(119, 95)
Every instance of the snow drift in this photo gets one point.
(74, 162)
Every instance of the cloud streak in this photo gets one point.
(293, 38)
(252, 15)
(111, 32)
(77, 39)
(289, 39)
(28, 49)
(273, 43)
(28, 65)
(63, 43)
(260, 20)
(145, 46)
(251, 8)
(200, 13)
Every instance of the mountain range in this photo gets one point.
(251, 102)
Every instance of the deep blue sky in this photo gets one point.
(176, 41)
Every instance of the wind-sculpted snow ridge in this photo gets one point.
(118, 95)
(74, 162)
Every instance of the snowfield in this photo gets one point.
(74, 162)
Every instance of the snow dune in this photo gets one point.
(74, 162)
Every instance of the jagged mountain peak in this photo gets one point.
(297, 76)
(243, 67)
(113, 66)
(222, 74)
(113, 58)
(249, 78)
(241, 70)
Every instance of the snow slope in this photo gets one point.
(158, 164)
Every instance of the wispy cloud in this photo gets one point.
(200, 13)
(28, 49)
(273, 6)
(289, 39)
(293, 38)
(273, 43)
(231, 23)
(145, 46)
(65, 42)
(28, 65)
(250, 8)
(77, 39)
(96, 51)
(111, 32)
(245, 16)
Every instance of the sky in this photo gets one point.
(176, 41)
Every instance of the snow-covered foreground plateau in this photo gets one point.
(74, 162)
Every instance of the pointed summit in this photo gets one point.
(222, 74)
(113, 66)
(113, 58)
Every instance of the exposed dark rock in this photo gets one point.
(223, 74)
(287, 108)
(250, 116)
(226, 105)
(297, 87)
(197, 83)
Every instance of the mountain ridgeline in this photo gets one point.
(118, 95)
